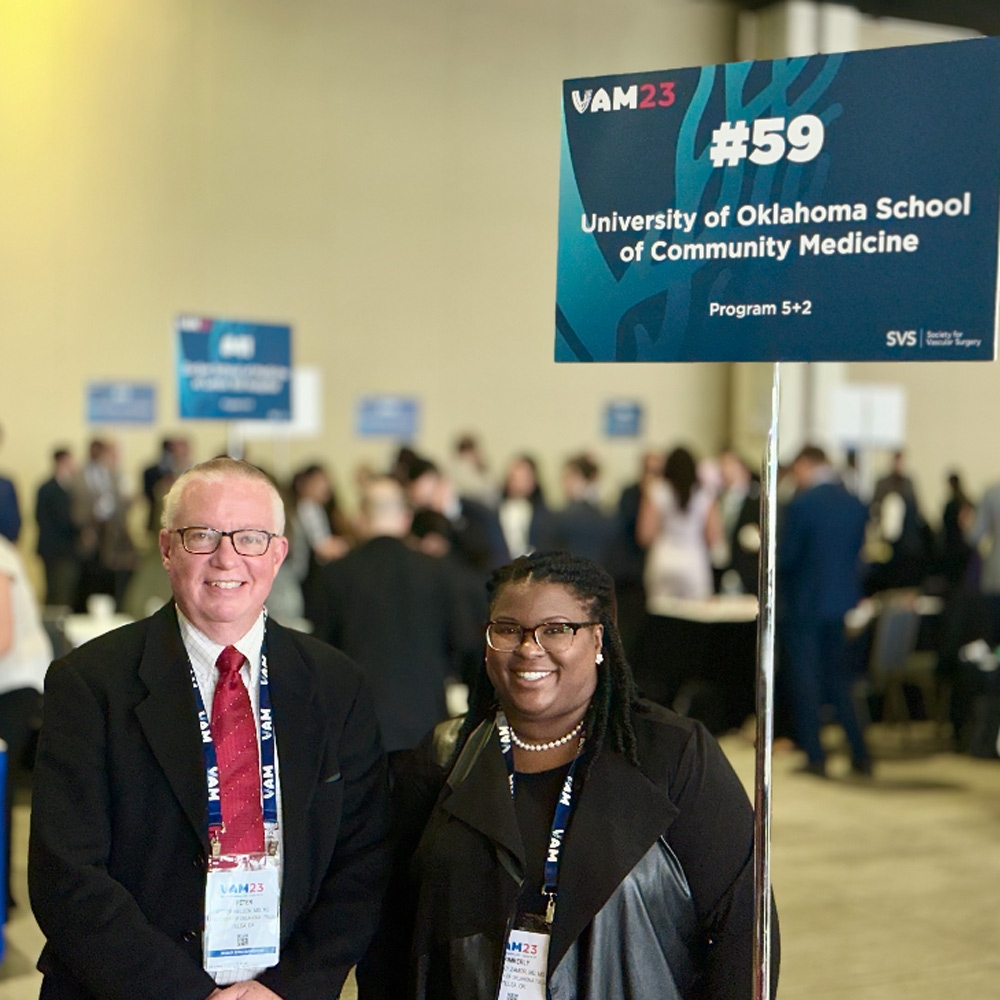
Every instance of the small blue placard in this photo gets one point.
(233, 370)
(838, 207)
(121, 403)
(623, 418)
(388, 416)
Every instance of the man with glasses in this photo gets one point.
(210, 796)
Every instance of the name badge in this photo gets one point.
(242, 922)
(525, 966)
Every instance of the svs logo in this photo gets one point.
(653, 95)
(901, 338)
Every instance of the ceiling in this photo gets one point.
(980, 15)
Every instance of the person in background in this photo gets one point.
(478, 538)
(907, 540)
(850, 476)
(580, 527)
(57, 532)
(25, 653)
(953, 549)
(395, 612)
(405, 458)
(628, 557)
(431, 534)
(820, 535)
(10, 511)
(522, 510)
(982, 534)
(324, 530)
(128, 861)
(152, 474)
(100, 511)
(470, 472)
(565, 821)
(175, 458)
(678, 523)
(319, 531)
(735, 559)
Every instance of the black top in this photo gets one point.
(535, 798)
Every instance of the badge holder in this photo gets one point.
(526, 951)
(242, 909)
(242, 891)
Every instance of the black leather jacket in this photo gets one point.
(655, 887)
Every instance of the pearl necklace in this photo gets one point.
(551, 745)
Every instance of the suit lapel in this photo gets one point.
(169, 717)
(480, 794)
(619, 815)
(300, 735)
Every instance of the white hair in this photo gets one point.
(220, 471)
(384, 507)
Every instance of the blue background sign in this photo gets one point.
(623, 418)
(388, 416)
(230, 370)
(121, 403)
(838, 207)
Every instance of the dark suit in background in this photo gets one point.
(397, 614)
(57, 540)
(820, 535)
(10, 512)
(478, 537)
(580, 528)
(119, 824)
(739, 575)
(625, 561)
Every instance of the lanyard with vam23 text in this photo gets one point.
(269, 799)
(560, 818)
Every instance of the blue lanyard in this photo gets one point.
(270, 800)
(560, 818)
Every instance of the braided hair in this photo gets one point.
(609, 717)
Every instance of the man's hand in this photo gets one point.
(249, 990)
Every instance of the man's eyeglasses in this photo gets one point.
(553, 637)
(246, 541)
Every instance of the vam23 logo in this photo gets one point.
(654, 95)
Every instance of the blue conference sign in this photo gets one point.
(623, 418)
(388, 416)
(233, 370)
(121, 403)
(837, 207)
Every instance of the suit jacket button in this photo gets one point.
(189, 936)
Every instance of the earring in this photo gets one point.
(600, 659)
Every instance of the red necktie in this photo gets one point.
(235, 735)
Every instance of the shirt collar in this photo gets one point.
(249, 644)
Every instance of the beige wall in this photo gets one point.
(381, 175)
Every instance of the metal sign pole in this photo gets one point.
(765, 706)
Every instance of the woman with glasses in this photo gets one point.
(565, 839)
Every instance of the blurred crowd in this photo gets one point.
(399, 583)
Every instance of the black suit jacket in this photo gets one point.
(400, 615)
(742, 561)
(10, 512)
(56, 530)
(119, 818)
